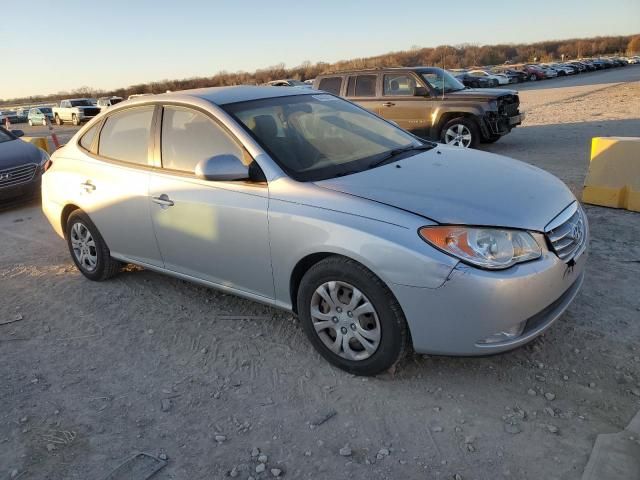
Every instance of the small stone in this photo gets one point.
(307, 453)
(457, 476)
(549, 411)
(163, 456)
(263, 458)
(165, 405)
(260, 468)
(565, 378)
(471, 448)
(436, 409)
(24, 419)
(276, 472)
(50, 447)
(47, 328)
(345, 451)
(531, 392)
(552, 429)
(255, 451)
(251, 478)
(220, 438)
(592, 385)
(150, 331)
(469, 439)
(636, 392)
(234, 472)
(512, 428)
(550, 396)
(14, 473)
(437, 429)
(204, 351)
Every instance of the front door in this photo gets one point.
(210, 230)
(400, 104)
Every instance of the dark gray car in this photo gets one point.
(21, 166)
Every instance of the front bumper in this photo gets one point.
(22, 190)
(475, 304)
(496, 124)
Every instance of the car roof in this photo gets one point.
(226, 95)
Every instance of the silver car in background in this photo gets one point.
(377, 240)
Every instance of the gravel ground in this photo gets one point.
(93, 372)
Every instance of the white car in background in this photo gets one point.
(500, 79)
(106, 102)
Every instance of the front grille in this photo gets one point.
(17, 175)
(568, 238)
(91, 112)
(508, 105)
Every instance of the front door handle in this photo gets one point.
(163, 200)
(388, 104)
(88, 186)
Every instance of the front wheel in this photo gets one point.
(351, 317)
(58, 120)
(533, 77)
(88, 249)
(460, 132)
(31, 123)
(74, 120)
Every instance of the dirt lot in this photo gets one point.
(92, 372)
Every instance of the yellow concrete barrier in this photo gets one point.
(614, 173)
(40, 142)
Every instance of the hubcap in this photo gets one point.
(84, 247)
(458, 135)
(345, 320)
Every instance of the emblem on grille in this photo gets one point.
(577, 231)
(5, 176)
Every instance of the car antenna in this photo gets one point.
(444, 57)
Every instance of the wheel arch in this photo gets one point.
(65, 214)
(446, 116)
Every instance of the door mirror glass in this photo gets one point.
(222, 168)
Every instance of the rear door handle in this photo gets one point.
(88, 186)
(388, 104)
(163, 200)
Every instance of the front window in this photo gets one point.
(45, 110)
(314, 137)
(442, 82)
(399, 85)
(81, 103)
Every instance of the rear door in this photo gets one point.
(113, 183)
(400, 103)
(211, 230)
(363, 89)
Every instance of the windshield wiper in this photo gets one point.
(391, 154)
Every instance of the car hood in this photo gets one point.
(453, 185)
(479, 93)
(16, 152)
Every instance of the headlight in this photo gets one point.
(484, 247)
(45, 160)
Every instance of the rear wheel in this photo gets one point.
(533, 77)
(58, 120)
(351, 317)
(88, 249)
(494, 82)
(460, 132)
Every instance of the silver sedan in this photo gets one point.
(378, 240)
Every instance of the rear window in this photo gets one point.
(125, 135)
(331, 85)
(362, 86)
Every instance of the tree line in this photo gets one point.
(448, 56)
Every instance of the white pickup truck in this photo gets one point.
(75, 110)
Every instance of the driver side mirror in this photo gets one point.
(18, 133)
(222, 168)
(421, 92)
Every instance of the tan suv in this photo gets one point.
(429, 102)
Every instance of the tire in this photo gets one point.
(382, 317)
(74, 120)
(97, 264)
(533, 77)
(44, 122)
(494, 83)
(491, 139)
(456, 130)
(58, 120)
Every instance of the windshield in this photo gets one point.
(442, 82)
(315, 137)
(81, 103)
(115, 100)
(4, 136)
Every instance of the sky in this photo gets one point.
(47, 46)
